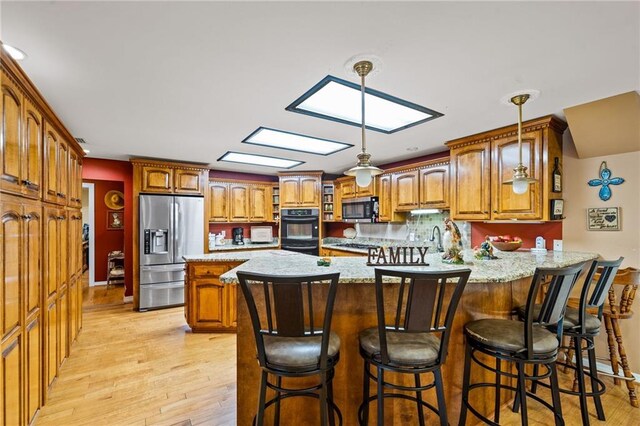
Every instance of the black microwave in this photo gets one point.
(364, 209)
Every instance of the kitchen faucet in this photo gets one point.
(439, 247)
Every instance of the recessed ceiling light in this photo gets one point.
(294, 141)
(14, 52)
(340, 100)
(259, 160)
(412, 149)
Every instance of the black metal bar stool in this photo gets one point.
(582, 327)
(416, 341)
(522, 343)
(289, 342)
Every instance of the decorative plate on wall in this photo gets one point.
(114, 200)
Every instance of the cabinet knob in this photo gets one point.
(26, 216)
(27, 182)
(485, 212)
(495, 211)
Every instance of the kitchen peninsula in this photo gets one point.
(494, 289)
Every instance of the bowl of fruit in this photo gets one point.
(506, 242)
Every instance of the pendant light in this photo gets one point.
(364, 171)
(521, 179)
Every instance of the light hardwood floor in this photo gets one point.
(131, 368)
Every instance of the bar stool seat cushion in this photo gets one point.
(404, 348)
(298, 353)
(571, 318)
(508, 335)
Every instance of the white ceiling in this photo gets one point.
(189, 81)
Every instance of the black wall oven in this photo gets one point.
(300, 230)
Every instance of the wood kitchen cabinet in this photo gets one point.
(238, 202)
(210, 306)
(218, 202)
(405, 194)
(471, 182)
(385, 212)
(434, 186)
(300, 190)
(40, 175)
(349, 188)
(163, 177)
(480, 164)
(260, 203)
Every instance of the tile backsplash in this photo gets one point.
(420, 226)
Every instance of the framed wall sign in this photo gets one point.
(603, 219)
(115, 220)
(557, 209)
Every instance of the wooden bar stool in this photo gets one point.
(522, 343)
(629, 278)
(582, 327)
(290, 341)
(414, 340)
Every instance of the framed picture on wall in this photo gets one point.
(115, 220)
(603, 219)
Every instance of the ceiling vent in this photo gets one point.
(80, 140)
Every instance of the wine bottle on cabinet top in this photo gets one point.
(557, 176)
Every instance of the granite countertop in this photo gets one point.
(334, 243)
(248, 245)
(509, 266)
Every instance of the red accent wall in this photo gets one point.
(106, 240)
(120, 171)
(527, 231)
(221, 174)
(336, 229)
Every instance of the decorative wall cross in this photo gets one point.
(604, 181)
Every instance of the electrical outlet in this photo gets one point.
(557, 245)
(412, 236)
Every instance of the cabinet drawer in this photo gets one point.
(212, 270)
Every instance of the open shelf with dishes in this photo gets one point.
(328, 194)
(275, 200)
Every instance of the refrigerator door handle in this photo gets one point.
(177, 255)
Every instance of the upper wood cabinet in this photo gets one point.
(32, 162)
(260, 203)
(63, 172)
(405, 193)
(349, 188)
(384, 196)
(75, 179)
(480, 165)
(238, 202)
(11, 139)
(434, 186)
(470, 182)
(50, 171)
(505, 203)
(218, 202)
(161, 177)
(300, 190)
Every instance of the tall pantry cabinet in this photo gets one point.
(40, 239)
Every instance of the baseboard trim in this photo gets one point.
(127, 299)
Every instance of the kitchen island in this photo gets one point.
(495, 287)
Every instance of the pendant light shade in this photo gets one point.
(364, 171)
(521, 179)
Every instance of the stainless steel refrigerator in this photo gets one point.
(170, 227)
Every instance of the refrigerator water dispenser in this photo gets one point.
(156, 241)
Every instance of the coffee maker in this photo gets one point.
(237, 237)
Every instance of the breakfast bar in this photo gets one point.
(495, 287)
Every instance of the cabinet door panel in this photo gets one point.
(50, 247)
(259, 199)
(239, 203)
(367, 191)
(505, 157)
(208, 299)
(348, 188)
(231, 291)
(50, 172)
(289, 191)
(51, 342)
(11, 268)
(157, 179)
(33, 375)
(63, 250)
(470, 180)
(12, 381)
(434, 187)
(188, 182)
(32, 258)
(63, 173)
(63, 330)
(32, 163)
(218, 202)
(309, 191)
(11, 151)
(75, 190)
(384, 195)
(405, 191)
(73, 307)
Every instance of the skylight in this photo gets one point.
(259, 160)
(295, 142)
(339, 100)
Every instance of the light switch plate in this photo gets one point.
(557, 245)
